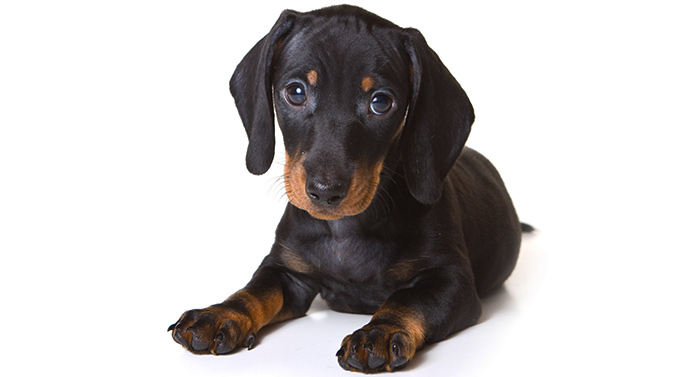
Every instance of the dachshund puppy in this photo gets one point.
(388, 214)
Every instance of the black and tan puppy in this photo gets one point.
(389, 213)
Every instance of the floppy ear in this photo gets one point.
(251, 87)
(438, 123)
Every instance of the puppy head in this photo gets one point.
(349, 89)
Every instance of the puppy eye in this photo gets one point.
(381, 104)
(295, 94)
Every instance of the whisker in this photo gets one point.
(390, 198)
(277, 189)
(390, 174)
(381, 207)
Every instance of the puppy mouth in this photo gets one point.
(361, 191)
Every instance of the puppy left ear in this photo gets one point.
(438, 124)
(251, 87)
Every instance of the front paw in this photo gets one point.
(214, 330)
(376, 348)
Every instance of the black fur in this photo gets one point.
(440, 230)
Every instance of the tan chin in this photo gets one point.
(334, 213)
(327, 215)
(362, 189)
(321, 216)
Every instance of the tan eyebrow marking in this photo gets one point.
(367, 83)
(312, 77)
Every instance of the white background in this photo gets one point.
(124, 198)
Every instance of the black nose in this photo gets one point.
(325, 192)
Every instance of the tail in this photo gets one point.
(526, 228)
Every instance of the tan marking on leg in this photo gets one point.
(410, 321)
(262, 309)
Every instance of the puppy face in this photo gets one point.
(341, 95)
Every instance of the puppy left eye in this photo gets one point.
(381, 104)
(295, 94)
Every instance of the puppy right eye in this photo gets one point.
(295, 94)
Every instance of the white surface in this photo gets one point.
(124, 199)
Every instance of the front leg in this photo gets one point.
(271, 296)
(427, 312)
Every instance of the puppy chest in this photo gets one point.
(356, 276)
(352, 260)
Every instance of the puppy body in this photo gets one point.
(389, 213)
(356, 262)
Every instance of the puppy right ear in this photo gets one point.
(251, 87)
(438, 123)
